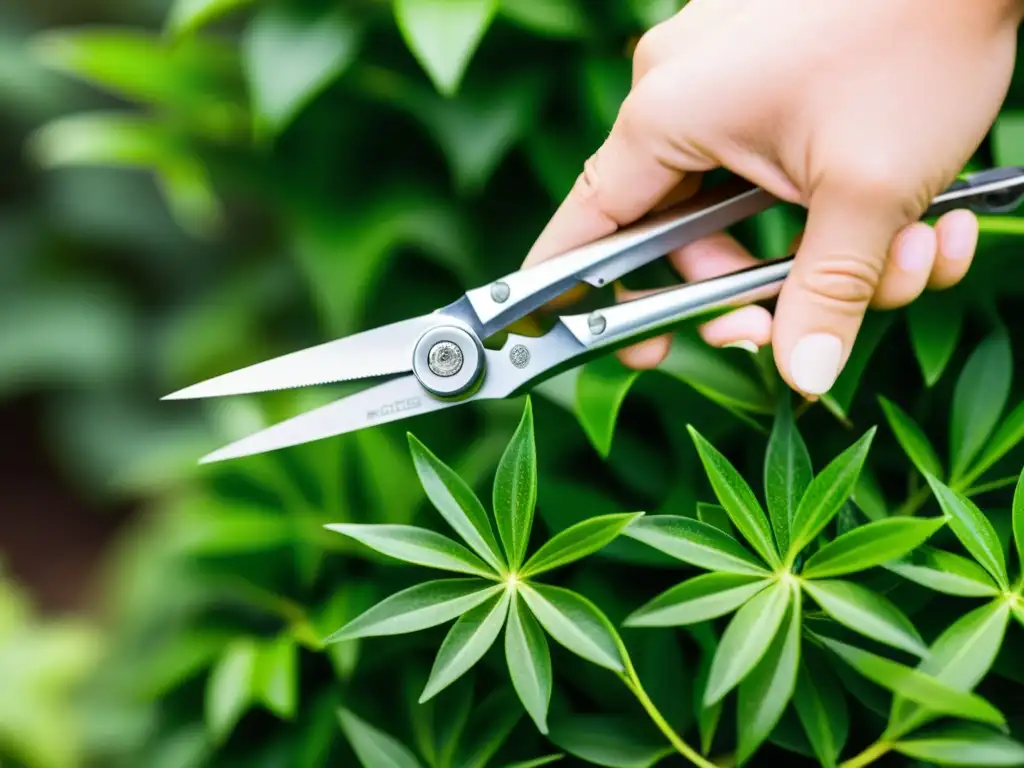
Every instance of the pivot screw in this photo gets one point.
(519, 355)
(597, 323)
(445, 359)
(500, 292)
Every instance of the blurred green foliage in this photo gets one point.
(218, 181)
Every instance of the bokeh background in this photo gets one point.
(191, 187)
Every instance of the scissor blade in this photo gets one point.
(377, 352)
(392, 400)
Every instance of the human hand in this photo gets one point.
(860, 111)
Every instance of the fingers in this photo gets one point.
(957, 234)
(908, 268)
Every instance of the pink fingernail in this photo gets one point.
(916, 249)
(959, 235)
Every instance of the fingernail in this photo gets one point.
(916, 249)
(749, 346)
(959, 235)
(814, 362)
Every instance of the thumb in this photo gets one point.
(835, 274)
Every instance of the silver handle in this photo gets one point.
(639, 317)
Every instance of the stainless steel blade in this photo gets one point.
(377, 352)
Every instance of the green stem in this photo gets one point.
(632, 681)
(868, 756)
(993, 485)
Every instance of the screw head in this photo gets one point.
(597, 323)
(445, 359)
(519, 355)
(500, 292)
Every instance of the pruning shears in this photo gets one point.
(440, 360)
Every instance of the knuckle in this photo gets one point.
(647, 52)
(847, 284)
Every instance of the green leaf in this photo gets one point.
(912, 439)
(577, 542)
(765, 692)
(291, 57)
(415, 545)
(443, 35)
(935, 323)
(457, 503)
(915, 685)
(419, 607)
(973, 529)
(189, 15)
(989, 369)
(489, 728)
(870, 545)
(869, 613)
(699, 599)
(960, 658)
(945, 572)
(737, 498)
(575, 623)
(827, 494)
(821, 707)
(537, 763)
(373, 747)
(787, 471)
(695, 543)
(708, 717)
(552, 18)
(1018, 519)
(963, 746)
(609, 741)
(529, 663)
(872, 330)
(466, 643)
(515, 490)
(601, 387)
(1007, 436)
(275, 677)
(229, 690)
(1008, 138)
(715, 515)
(746, 640)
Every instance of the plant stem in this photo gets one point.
(868, 756)
(993, 485)
(632, 681)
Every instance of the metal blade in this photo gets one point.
(377, 352)
(392, 400)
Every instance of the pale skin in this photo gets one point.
(859, 110)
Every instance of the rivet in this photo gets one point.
(597, 323)
(500, 292)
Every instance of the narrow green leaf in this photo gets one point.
(1018, 519)
(766, 691)
(600, 389)
(827, 494)
(989, 369)
(229, 690)
(372, 746)
(529, 663)
(515, 490)
(698, 599)
(960, 658)
(419, 607)
(715, 515)
(912, 439)
(466, 643)
(963, 746)
(577, 542)
(746, 640)
(945, 572)
(189, 15)
(575, 623)
(457, 503)
(787, 471)
(609, 741)
(869, 613)
(708, 718)
(1008, 435)
(552, 18)
(537, 763)
(443, 35)
(415, 545)
(935, 323)
(290, 57)
(916, 685)
(490, 726)
(695, 543)
(870, 545)
(275, 678)
(973, 529)
(737, 498)
(868, 496)
(821, 707)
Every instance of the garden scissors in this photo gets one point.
(440, 360)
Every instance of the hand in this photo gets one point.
(860, 111)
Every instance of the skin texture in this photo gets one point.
(859, 111)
